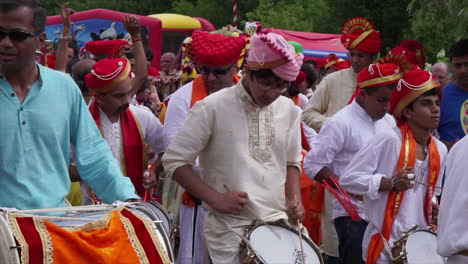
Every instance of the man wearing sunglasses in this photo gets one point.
(215, 57)
(43, 113)
(247, 138)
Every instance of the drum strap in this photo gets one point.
(464, 253)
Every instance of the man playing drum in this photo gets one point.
(125, 127)
(216, 57)
(399, 171)
(43, 112)
(247, 138)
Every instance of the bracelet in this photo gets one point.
(393, 184)
(136, 40)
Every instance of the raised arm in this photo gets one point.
(132, 25)
(62, 54)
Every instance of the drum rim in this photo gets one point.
(308, 240)
(405, 242)
(14, 255)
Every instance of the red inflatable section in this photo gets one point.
(153, 25)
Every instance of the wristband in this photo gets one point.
(65, 37)
(393, 184)
(136, 40)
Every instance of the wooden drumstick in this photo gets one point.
(300, 234)
(256, 216)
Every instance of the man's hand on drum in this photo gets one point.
(149, 178)
(435, 212)
(231, 202)
(400, 182)
(404, 180)
(295, 211)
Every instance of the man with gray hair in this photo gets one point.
(442, 72)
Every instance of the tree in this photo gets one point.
(437, 24)
(219, 12)
(140, 7)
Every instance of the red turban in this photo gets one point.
(412, 85)
(413, 51)
(300, 78)
(213, 49)
(335, 63)
(359, 34)
(377, 75)
(108, 74)
(113, 48)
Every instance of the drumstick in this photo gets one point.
(300, 234)
(256, 216)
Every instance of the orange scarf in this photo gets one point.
(199, 91)
(134, 158)
(407, 159)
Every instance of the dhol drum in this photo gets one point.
(276, 243)
(419, 246)
(76, 217)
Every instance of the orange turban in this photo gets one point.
(358, 33)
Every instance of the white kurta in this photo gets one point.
(341, 137)
(151, 128)
(244, 147)
(453, 213)
(378, 159)
(331, 95)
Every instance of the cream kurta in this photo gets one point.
(453, 214)
(244, 147)
(332, 94)
(378, 159)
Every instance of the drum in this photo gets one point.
(276, 243)
(419, 246)
(78, 217)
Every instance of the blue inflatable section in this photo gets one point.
(323, 53)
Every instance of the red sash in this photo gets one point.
(134, 158)
(407, 159)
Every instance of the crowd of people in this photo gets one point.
(351, 153)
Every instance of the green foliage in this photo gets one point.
(437, 24)
(294, 15)
(141, 7)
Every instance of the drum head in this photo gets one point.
(7, 255)
(282, 246)
(421, 248)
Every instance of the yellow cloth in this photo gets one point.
(75, 196)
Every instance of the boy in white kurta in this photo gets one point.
(453, 213)
(381, 171)
(247, 138)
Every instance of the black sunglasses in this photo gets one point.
(217, 72)
(17, 35)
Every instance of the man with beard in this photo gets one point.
(125, 127)
(43, 113)
(247, 138)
